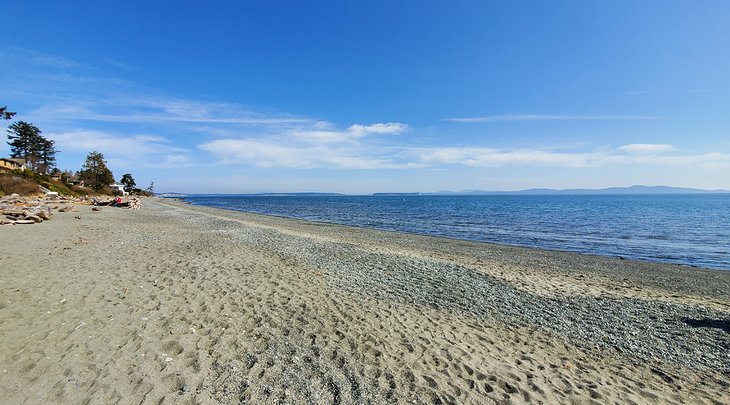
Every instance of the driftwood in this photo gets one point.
(25, 210)
(133, 203)
(15, 209)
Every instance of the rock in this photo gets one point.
(96, 209)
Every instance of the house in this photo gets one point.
(8, 164)
(118, 188)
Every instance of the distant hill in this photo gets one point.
(305, 194)
(602, 191)
(395, 194)
(532, 191)
(171, 195)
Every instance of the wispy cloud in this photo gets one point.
(324, 133)
(34, 58)
(338, 149)
(646, 148)
(83, 79)
(135, 150)
(327, 148)
(547, 117)
(160, 110)
(487, 157)
(267, 154)
(116, 64)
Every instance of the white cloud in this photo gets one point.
(143, 110)
(646, 148)
(486, 157)
(354, 132)
(320, 137)
(714, 160)
(144, 150)
(547, 117)
(269, 153)
(320, 146)
(85, 140)
(358, 130)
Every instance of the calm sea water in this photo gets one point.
(692, 230)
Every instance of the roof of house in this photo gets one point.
(14, 160)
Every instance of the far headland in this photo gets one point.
(636, 189)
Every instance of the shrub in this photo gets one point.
(62, 188)
(10, 183)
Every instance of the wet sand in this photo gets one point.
(181, 304)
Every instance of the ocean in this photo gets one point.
(686, 229)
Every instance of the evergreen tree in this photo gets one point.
(94, 173)
(128, 180)
(5, 114)
(26, 142)
(46, 155)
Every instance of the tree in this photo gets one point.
(128, 180)
(94, 172)
(5, 114)
(151, 188)
(46, 155)
(26, 142)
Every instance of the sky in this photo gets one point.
(377, 96)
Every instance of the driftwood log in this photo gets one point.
(15, 209)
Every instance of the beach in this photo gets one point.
(176, 303)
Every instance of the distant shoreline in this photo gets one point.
(632, 190)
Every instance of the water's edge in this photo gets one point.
(687, 230)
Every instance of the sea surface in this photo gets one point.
(687, 229)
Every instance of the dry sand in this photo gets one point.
(181, 304)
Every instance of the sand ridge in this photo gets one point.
(179, 304)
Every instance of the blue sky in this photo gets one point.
(360, 97)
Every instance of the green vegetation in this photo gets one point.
(128, 180)
(5, 114)
(39, 153)
(26, 142)
(26, 182)
(94, 173)
(10, 184)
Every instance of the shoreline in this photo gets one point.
(712, 264)
(660, 275)
(185, 303)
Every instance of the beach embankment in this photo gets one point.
(180, 304)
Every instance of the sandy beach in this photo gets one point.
(180, 304)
